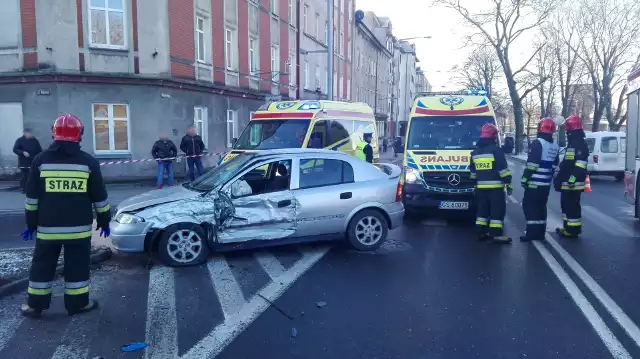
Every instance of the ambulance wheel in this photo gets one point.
(183, 244)
(367, 230)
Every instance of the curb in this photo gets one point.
(516, 159)
(19, 283)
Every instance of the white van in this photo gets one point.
(607, 153)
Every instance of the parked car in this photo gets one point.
(264, 198)
(607, 151)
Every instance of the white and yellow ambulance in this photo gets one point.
(442, 131)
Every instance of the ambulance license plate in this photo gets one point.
(453, 205)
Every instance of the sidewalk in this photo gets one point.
(522, 157)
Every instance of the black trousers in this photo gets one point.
(571, 211)
(492, 208)
(77, 253)
(23, 178)
(534, 206)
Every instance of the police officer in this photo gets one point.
(489, 170)
(364, 151)
(64, 186)
(536, 180)
(571, 177)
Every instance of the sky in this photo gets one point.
(413, 18)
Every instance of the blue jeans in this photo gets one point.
(197, 161)
(162, 166)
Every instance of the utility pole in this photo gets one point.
(330, 49)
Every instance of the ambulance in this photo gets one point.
(333, 125)
(443, 129)
(631, 146)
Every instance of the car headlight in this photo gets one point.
(128, 218)
(411, 175)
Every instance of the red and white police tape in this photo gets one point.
(142, 160)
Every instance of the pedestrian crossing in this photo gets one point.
(186, 313)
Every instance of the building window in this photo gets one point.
(253, 18)
(253, 56)
(342, 6)
(200, 122)
(326, 81)
(306, 74)
(335, 39)
(349, 49)
(110, 128)
(316, 29)
(341, 87)
(273, 6)
(350, 10)
(229, 49)
(201, 43)
(349, 89)
(232, 127)
(291, 62)
(317, 84)
(326, 32)
(107, 19)
(275, 62)
(305, 21)
(341, 43)
(291, 11)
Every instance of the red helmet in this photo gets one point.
(67, 128)
(572, 123)
(489, 131)
(547, 125)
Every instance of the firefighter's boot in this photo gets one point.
(30, 312)
(93, 304)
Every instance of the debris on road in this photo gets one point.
(294, 332)
(133, 347)
(321, 304)
(276, 307)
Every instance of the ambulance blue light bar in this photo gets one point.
(471, 92)
(310, 106)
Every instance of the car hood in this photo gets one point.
(156, 197)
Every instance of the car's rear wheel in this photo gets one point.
(367, 230)
(183, 244)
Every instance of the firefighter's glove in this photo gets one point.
(524, 182)
(572, 181)
(27, 234)
(509, 189)
(105, 231)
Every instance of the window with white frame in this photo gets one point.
(253, 18)
(275, 63)
(232, 126)
(335, 39)
(254, 52)
(326, 32)
(326, 81)
(291, 61)
(317, 84)
(306, 74)
(273, 6)
(201, 122)
(341, 43)
(349, 89)
(107, 20)
(342, 6)
(350, 10)
(201, 38)
(335, 85)
(291, 11)
(341, 87)
(316, 29)
(111, 128)
(230, 48)
(349, 49)
(305, 19)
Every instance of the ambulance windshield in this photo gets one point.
(445, 132)
(271, 134)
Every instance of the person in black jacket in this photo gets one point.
(192, 146)
(164, 151)
(489, 169)
(64, 187)
(26, 147)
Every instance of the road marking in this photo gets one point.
(75, 341)
(610, 341)
(162, 321)
(226, 287)
(512, 199)
(606, 222)
(271, 265)
(223, 334)
(9, 323)
(607, 302)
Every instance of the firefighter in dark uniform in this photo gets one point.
(489, 170)
(571, 177)
(364, 151)
(536, 180)
(64, 186)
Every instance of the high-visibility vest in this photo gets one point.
(360, 150)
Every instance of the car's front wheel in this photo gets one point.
(367, 230)
(183, 244)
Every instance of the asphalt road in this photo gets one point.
(431, 292)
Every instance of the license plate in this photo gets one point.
(453, 205)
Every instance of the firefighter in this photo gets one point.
(571, 177)
(364, 151)
(64, 186)
(537, 178)
(489, 170)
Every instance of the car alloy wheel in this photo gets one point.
(184, 246)
(369, 230)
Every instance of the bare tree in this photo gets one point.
(501, 25)
(546, 77)
(532, 113)
(608, 32)
(481, 69)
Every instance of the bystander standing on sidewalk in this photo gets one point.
(164, 151)
(26, 147)
(192, 145)
(385, 143)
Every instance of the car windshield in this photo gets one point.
(591, 143)
(445, 132)
(220, 174)
(270, 134)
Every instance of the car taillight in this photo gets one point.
(399, 193)
(595, 158)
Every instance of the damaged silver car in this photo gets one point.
(262, 199)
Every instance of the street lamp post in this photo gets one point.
(330, 49)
